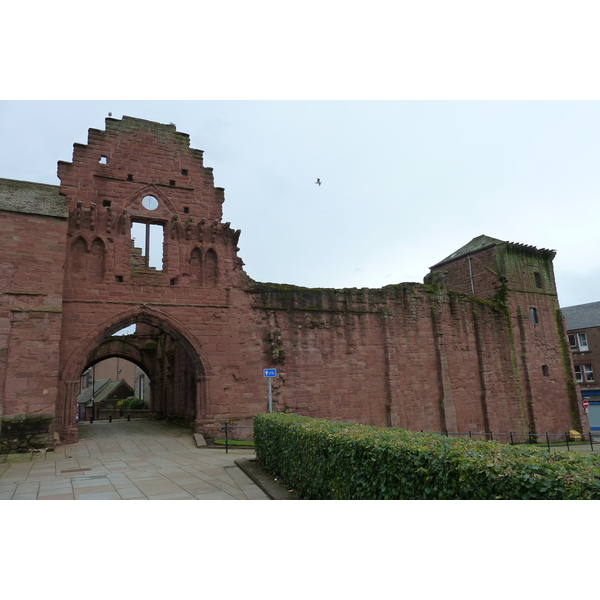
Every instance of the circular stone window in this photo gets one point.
(150, 202)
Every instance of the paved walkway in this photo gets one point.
(136, 460)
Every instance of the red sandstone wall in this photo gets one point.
(474, 275)
(191, 295)
(31, 281)
(523, 277)
(411, 358)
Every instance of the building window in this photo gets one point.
(583, 343)
(545, 371)
(533, 316)
(148, 240)
(588, 372)
(572, 341)
(538, 280)
(578, 375)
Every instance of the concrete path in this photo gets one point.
(136, 460)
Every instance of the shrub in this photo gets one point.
(133, 404)
(342, 461)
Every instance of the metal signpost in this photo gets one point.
(269, 374)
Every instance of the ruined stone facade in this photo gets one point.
(462, 352)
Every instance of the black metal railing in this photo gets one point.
(226, 429)
(513, 438)
(558, 439)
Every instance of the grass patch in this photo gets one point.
(235, 442)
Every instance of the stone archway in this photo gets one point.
(161, 348)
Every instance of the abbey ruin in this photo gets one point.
(480, 346)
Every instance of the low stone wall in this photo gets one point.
(21, 433)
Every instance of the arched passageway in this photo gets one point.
(113, 387)
(170, 361)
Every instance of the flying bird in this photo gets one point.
(318, 181)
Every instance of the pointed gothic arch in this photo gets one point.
(96, 260)
(165, 349)
(78, 254)
(132, 204)
(195, 263)
(211, 268)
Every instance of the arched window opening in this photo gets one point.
(78, 254)
(196, 267)
(96, 261)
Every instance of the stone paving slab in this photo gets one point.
(130, 460)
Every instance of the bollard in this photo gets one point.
(110, 418)
(128, 417)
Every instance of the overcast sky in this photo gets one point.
(404, 183)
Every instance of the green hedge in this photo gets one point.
(133, 404)
(331, 460)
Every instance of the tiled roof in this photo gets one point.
(86, 395)
(476, 244)
(102, 388)
(485, 241)
(32, 198)
(582, 316)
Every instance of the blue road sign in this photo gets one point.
(269, 372)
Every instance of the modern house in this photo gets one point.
(583, 331)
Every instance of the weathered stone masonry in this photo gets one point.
(461, 352)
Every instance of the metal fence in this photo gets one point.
(226, 429)
(567, 439)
